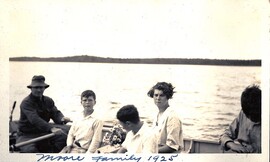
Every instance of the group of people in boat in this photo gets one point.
(164, 136)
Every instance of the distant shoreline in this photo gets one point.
(86, 58)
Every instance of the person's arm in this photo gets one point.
(97, 137)
(230, 134)
(70, 140)
(236, 147)
(174, 135)
(56, 115)
(65, 120)
(66, 149)
(70, 136)
(122, 150)
(57, 131)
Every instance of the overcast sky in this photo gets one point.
(222, 29)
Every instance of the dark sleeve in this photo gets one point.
(55, 114)
(30, 112)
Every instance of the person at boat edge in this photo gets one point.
(140, 138)
(85, 135)
(167, 123)
(36, 110)
(244, 133)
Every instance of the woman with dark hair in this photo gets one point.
(166, 123)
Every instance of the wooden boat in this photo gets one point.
(190, 145)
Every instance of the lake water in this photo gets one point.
(207, 98)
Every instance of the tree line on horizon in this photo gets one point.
(189, 61)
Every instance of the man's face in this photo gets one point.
(88, 103)
(37, 91)
(125, 126)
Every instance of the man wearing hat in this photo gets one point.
(36, 112)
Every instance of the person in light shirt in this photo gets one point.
(85, 135)
(140, 138)
(167, 123)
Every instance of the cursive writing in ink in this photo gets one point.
(159, 158)
(104, 158)
(172, 157)
(58, 158)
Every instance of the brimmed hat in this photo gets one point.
(38, 81)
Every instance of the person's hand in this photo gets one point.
(57, 131)
(66, 149)
(237, 147)
(248, 147)
(66, 120)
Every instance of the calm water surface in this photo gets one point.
(207, 98)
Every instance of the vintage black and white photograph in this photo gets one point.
(135, 80)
